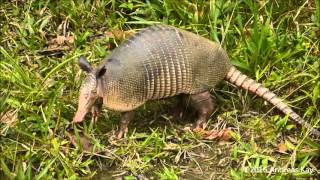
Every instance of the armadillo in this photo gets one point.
(162, 61)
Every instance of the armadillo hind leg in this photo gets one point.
(124, 122)
(204, 106)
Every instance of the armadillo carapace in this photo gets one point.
(163, 61)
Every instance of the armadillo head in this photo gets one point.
(88, 91)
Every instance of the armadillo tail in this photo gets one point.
(235, 77)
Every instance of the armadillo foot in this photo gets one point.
(200, 124)
(96, 110)
(124, 122)
(120, 133)
(96, 113)
(204, 106)
(179, 111)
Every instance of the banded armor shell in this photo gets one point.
(158, 62)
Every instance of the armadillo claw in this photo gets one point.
(121, 132)
(123, 128)
(96, 113)
(199, 124)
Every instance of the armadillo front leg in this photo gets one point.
(124, 122)
(204, 106)
(179, 109)
(96, 109)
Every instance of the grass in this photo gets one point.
(275, 42)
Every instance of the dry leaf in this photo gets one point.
(118, 34)
(70, 39)
(84, 142)
(222, 135)
(9, 117)
(60, 39)
(282, 148)
(171, 147)
(54, 50)
(108, 34)
(200, 130)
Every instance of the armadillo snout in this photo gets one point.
(79, 116)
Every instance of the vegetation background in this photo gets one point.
(274, 42)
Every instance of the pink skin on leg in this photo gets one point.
(124, 122)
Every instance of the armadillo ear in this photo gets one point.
(84, 64)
